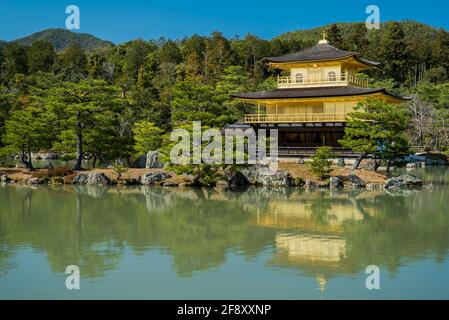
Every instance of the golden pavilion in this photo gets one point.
(310, 106)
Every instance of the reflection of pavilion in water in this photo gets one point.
(310, 234)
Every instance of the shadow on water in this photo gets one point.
(322, 234)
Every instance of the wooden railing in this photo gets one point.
(295, 118)
(343, 79)
(306, 152)
(310, 151)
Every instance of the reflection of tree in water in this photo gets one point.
(6, 255)
(322, 210)
(412, 228)
(322, 234)
(76, 228)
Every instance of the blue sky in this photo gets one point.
(124, 20)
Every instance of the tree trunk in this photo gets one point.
(377, 164)
(79, 145)
(388, 166)
(359, 160)
(26, 160)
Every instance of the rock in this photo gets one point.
(4, 178)
(152, 160)
(336, 183)
(131, 181)
(260, 175)
(322, 185)
(370, 164)
(36, 181)
(309, 185)
(341, 162)
(412, 165)
(45, 156)
(278, 179)
(374, 186)
(92, 179)
(81, 178)
(170, 184)
(238, 179)
(403, 181)
(98, 179)
(415, 165)
(153, 178)
(140, 162)
(352, 181)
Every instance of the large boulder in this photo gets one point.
(153, 178)
(237, 179)
(277, 179)
(140, 162)
(340, 162)
(260, 175)
(152, 161)
(403, 181)
(352, 181)
(4, 178)
(370, 164)
(92, 179)
(336, 183)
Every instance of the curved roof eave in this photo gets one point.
(328, 92)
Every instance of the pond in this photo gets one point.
(170, 243)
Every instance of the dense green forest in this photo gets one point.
(92, 99)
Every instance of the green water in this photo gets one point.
(156, 243)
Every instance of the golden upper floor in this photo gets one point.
(321, 65)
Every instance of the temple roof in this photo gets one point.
(313, 93)
(320, 52)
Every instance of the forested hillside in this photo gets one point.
(62, 38)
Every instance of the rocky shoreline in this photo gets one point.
(288, 175)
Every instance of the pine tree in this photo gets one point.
(218, 56)
(440, 51)
(394, 52)
(376, 127)
(87, 114)
(15, 59)
(96, 66)
(74, 63)
(40, 56)
(334, 36)
(27, 131)
(170, 53)
(357, 40)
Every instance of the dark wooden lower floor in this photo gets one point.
(294, 141)
(310, 137)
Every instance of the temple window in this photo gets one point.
(332, 76)
(299, 78)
